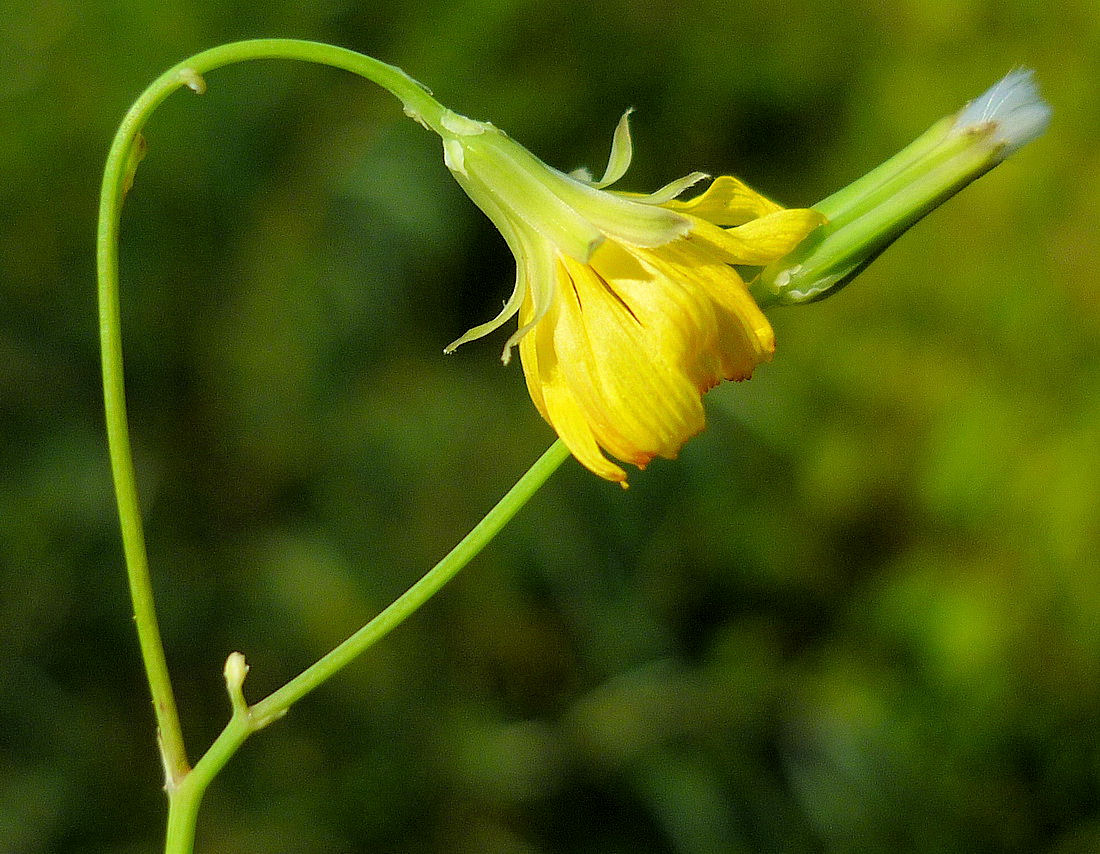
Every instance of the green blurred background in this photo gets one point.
(860, 613)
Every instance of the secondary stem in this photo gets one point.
(183, 786)
(276, 704)
(184, 800)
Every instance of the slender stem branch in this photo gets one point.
(183, 808)
(275, 705)
(118, 175)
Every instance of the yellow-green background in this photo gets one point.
(860, 614)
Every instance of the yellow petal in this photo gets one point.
(571, 424)
(759, 241)
(625, 371)
(554, 400)
(737, 336)
(727, 202)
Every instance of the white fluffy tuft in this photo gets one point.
(1014, 106)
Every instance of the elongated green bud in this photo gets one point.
(871, 213)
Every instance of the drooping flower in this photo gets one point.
(629, 305)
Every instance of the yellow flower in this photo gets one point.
(629, 306)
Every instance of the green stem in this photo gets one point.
(868, 215)
(184, 803)
(117, 177)
(185, 786)
(275, 705)
(186, 798)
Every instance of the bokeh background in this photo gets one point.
(861, 612)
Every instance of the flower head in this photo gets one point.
(629, 305)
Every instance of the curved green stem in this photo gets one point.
(184, 804)
(185, 786)
(275, 705)
(122, 160)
